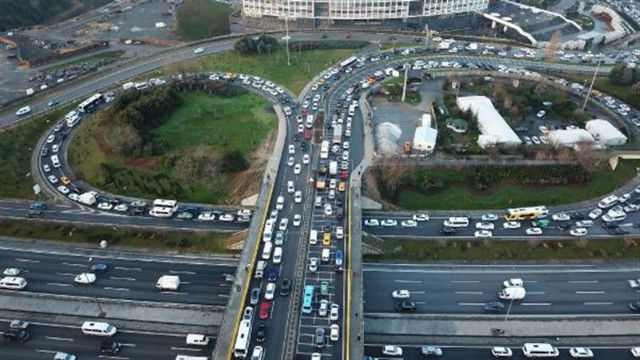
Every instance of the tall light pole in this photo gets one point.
(595, 73)
(426, 35)
(404, 87)
(286, 22)
(86, 277)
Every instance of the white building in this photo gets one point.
(494, 129)
(605, 133)
(424, 138)
(569, 137)
(358, 9)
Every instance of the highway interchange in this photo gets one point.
(473, 288)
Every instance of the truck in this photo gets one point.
(260, 269)
(337, 134)
(512, 293)
(320, 183)
(88, 198)
(168, 282)
(333, 167)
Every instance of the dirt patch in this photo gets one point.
(144, 163)
(247, 183)
(371, 191)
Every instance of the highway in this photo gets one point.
(129, 277)
(47, 339)
(569, 289)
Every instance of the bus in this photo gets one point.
(91, 103)
(324, 150)
(163, 208)
(241, 348)
(307, 299)
(526, 213)
(348, 62)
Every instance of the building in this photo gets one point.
(605, 133)
(358, 9)
(570, 137)
(458, 126)
(493, 128)
(424, 138)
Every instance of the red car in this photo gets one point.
(265, 310)
(303, 112)
(344, 175)
(307, 134)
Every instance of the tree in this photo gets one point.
(233, 161)
(553, 46)
(621, 75)
(636, 88)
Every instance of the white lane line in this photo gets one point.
(128, 344)
(46, 351)
(224, 296)
(535, 292)
(58, 338)
(113, 357)
(58, 284)
(27, 260)
(469, 292)
(464, 281)
(408, 281)
(74, 264)
(583, 281)
(535, 304)
(115, 289)
(66, 274)
(182, 272)
(420, 302)
(128, 268)
(173, 292)
(122, 278)
(184, 349)
(590, 292)
(185, 283)
(417, 292)
(470, 304)
(598, 303)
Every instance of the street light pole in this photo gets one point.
(591, 86)
(101, 312)
(404, 87)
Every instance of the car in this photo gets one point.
(46, 168)
(17, 335)
(635, 306)
(198, 50)
(324, 288)
(580, 216)
(578, 232)
(184, 215)
(513, 282)
(406, 306)
(371, 222)
(52, 179)
(431, 351)
(274, 272)
(105, 206)
(609, 225)
(63, 356)
(533, 231)
(580, 352)
(328, 211)
(493, 307)
(342, 186)
(11, 272)
(99, 267)
(326, 239)
(119, 207)
(409, 223)
(316, 356)
(318, 339)
(19, 324)
(85, 278)
(285, 287)
(635, 352)
(595, 213)
(297, 197)
(563, 226)
(306, 159)
(323, 308)
(335, 332)
(420, 217)
(54, 148)
(291, 161)
(483, 234)
(389, 222)
(52, 103)
(292, 150)
(297, 169)
(618, 231)
(254, 298)
(501, 351)
(489, 217)
(334, 312)
(511, 225)
(51, 138)
(584, 223)
(270, 291)
(313, 264)
(484, 225)
(284, 223)
(634, 284)
(401, 294)
(447, 231)
(561, 217)
(631, 208)
(206, 216)
(624, 198)
(23, 111)
(110, 347)
(65, 180)
(63, 189)
(265, 310)
(392, 350)
(297, 220)
(261, 334)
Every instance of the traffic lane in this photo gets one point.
(48, 339)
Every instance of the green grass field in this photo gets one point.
(462, 198)
(202, 19)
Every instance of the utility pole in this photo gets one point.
(595, 73)
(286, 21)
(426, 35)
(404, 87)
(101, 313)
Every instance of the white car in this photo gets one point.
(85, 278)
(52, 179)
(534, 231)
(339, 232)
(483, 234)
(584, 223)
(392, 350)
(207, 216)
(420, 217)
(292, 150)
(335, 332)
(297, 169)
(284, 223)
(345, 145)
(313, 264)
(306, 159)
(401, 294)
(46, 168)
(198, 50)
(297, 220)
(23, 111)
(500, 351)
(121, 207)
(484, 225)
(63, 189)
(624, 198)
(74, 196)
(389, 222)
(631, 208)
(291, 161)
(489, 217)
(580, 352)
(561, 217)
(515, 282)
(55, 148)
(105, 206)
(11, 272)
(634, 284)
(367, 222)
(578, 232)
(511, 225)
(316, 356)
(51, 138)
(595, 213)
(635, 352)
(328, 211)
(409, 223)
(334, 312)
(323, 309)
(297, 198)
(270, 291)
(226, 217)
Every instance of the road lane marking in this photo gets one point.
(46, 351)
(182, 272)
(583, 281)
(598, 303)
(115, 289)
(185, 349)
(590, 292)
(469, 292)
(58, 284)
(74, 264)
(470, 304)
(173, 292)
(420, 302)
(224, 296)
(128, 344)
(536, 292)
(127, 268)
(536, 304)
(122, 278)
(113, 357)
(27, 260)
(66, 274)
(408, 281)
(58, 338)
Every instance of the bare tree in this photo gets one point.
(550, 52)
(591, 160)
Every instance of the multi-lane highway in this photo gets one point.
(568, 289)
(47, 339)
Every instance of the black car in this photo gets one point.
(326, 227)
(580, 216)
(285, 288)
(274, 272)
(448, 231)
(44, 151)
(563, 226)
(17, 335)
(406, 306)
(609, 225)
(261, 335)
(493, 307)
(35, 214)
(635, 306)
(618, 231)
(110, 347)
(318, 339)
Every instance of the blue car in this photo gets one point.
(52, 102)
(493, 307)
(99, 267)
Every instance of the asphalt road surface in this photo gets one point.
(586, 289)
(47, 339)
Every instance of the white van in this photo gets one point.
(13, 283)
(55, 161)
(266, 251)
(260, 269)
(456, 222)
(280, 203)
(277, 255)
(98, 329)
(189, 357)
(197, 339)
(318, 202)
(612, 215)
(541, 350)
(607, 202)
(258, 353)
(313, 237)
(326, 254)
(290, 188)
(309, 123)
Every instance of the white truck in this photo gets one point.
(337, 134)
(88, 198)
(333, 167)
(512, 293)
(168, 282)
(260, 269)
